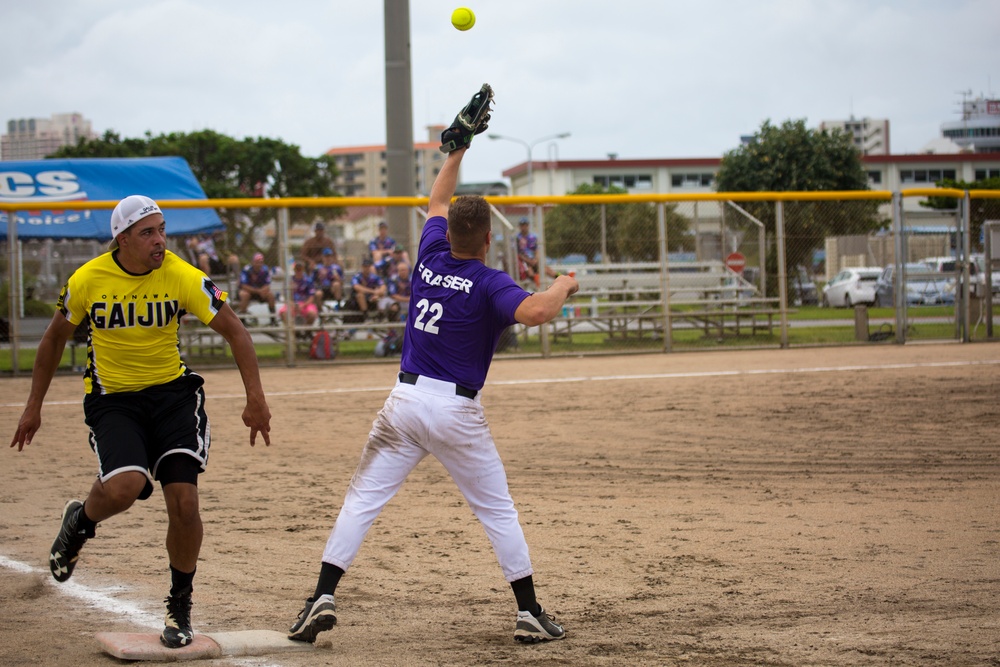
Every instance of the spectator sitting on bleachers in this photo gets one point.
(328, 278)
(397, 299)
(313, 247)
(206, 256)
(255, 285)
(381, 248)
(303, 292)
(367, 287)
(398, 256)
(527, 251)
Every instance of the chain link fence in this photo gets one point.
(657, 273)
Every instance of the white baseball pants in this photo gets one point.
(417, 420)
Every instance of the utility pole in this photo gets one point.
(400, 164)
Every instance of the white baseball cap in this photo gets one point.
(129, 211)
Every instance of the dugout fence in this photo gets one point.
(657, 272)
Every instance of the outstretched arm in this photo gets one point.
(444, 185)
(541, 307)
(50, 351)
(256, 414)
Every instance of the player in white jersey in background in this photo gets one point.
(458, 308)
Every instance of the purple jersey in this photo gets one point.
(254, 278)
(379, 243)
(369, 280)
(399, 286)
(458, 309)
(527, 244)
(324, 273)
(302, 288)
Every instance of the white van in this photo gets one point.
(977, 275)
(941, 264)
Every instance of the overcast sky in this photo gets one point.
(640, 78)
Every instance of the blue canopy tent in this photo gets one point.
(56, 184)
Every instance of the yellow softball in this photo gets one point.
(463, 18)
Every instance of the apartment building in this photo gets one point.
(362, 170)
(37, 138)
(869, 135)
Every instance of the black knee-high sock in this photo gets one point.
(85, 522)
(181, 582)
(524, 593)
(329, 577)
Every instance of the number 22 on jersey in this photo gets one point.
(435, 309)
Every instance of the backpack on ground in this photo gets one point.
(322, 346)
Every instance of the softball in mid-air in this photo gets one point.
(463, 18)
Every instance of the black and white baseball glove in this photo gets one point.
(470, 121)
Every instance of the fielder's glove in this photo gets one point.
(470, 121)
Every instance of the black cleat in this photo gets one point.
(177, 631)
(532, 629)
(317, 616)
(66, 549)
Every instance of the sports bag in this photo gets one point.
(322, 346)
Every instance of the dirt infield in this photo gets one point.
(835, 506)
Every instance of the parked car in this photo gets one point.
(977, 275)
(852, 287)
(923, 286)
(804, 292)
(950, 269)
(941, 264)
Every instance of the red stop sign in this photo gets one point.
(736, 262)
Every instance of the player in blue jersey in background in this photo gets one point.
(458, 308)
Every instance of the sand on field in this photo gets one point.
(833, 506)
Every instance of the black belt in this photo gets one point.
(411, 378)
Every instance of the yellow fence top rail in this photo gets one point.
(510, 200)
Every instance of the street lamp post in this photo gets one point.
(529, 146)
(543, 334)
(553, 149)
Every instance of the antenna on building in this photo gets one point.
(966, 94)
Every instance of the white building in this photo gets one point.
(979, 128)
(870, 135)
(697, 175)
(36, 138)
(691, 175)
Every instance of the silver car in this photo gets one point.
(923, 286)
(852, 287)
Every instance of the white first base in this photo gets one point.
(147, 646)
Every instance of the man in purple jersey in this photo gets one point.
(458, 308)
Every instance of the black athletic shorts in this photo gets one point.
(136, 431)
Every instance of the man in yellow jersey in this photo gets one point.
(144, 407)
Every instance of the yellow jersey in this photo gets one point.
(133, 341)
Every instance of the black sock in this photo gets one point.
(85, 523)
(329, 577)
(181, 582)
(524, 593)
